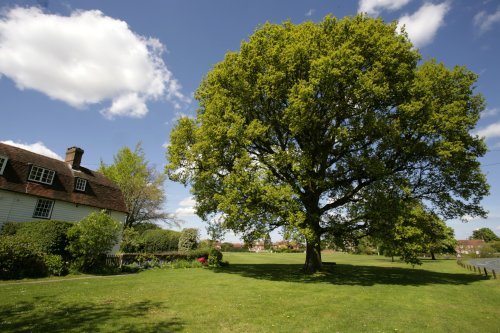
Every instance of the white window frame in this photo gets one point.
(43, 209)
(3, 163)
(41, 175)
(80, 184)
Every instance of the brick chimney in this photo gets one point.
(74, 157)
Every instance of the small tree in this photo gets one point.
(188, 240)
(215, 230)
(90, 238)
(268, 243)
(141, 185)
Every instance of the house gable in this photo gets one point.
(58, 180)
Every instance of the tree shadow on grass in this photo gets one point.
(44, 315)
(343, 274)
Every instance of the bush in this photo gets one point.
(48, 237)
(9, 228)
(162, 258)
(20, 258)
(54, 264)
(90, 238)
(183, 264)
(486, 251)
(214, 258)
(160, 240)
(226, 247)
(188, 240)
(131, 242)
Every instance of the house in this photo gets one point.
(257, 246)
(470, 246)
(36, 187)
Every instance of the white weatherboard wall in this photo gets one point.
(16, 207)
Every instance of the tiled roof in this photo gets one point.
(100, 192)
(472, 242)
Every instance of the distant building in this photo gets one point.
(37, 187)
(257, 246)
(469, 246)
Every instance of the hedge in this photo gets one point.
(130, 258)
(20, 258)
(48, 237)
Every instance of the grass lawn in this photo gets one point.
(261, 293)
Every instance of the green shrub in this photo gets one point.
(90, 238)
(20, 258)
(9, 228)
(54, 264)
(226, 247)
(145, 226)
(486, 251)
(48, 237)
(214, 258)
(160, 240)
(131, 242)
(188, 240)
(182, 263)
(159, 259)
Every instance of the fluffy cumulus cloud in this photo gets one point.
(485, 21)
(186, 207)
(85, 58)
(37, 147)
(423, 25)
(374, 7)
(490, 131)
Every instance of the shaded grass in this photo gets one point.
(262, 293)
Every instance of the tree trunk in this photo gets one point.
(433, 256)
(313, 255)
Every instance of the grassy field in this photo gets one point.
(261, 293)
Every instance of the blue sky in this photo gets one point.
(102, 75)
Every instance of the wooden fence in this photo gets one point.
(479, 270)
(114, 260)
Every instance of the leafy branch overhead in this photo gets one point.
(323, 126)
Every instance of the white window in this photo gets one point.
(3, 163)
(43, 208)
(80, 184)
(42, 175)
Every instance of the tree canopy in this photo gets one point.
(485, 234)
(326, 127)
(141, 185)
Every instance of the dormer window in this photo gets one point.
(80, 184)
(3, 163)
(41, 175)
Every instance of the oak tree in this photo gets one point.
(315, 125)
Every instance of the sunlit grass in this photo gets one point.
(262, 293)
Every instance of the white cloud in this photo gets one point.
(85, 58)
(489, 112)
(484, 21)
(490, 131)
(423, 25)
(37, 147)
(310, 12)
(186, 207)
(374, 7)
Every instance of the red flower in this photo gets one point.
(202, 260)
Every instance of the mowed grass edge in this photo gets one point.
(262, 292)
